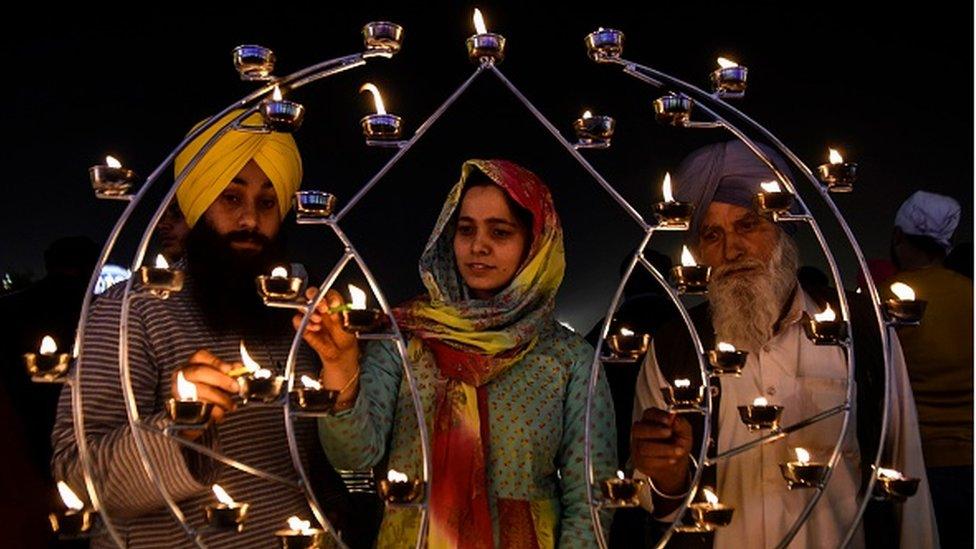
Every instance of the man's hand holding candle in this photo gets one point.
(337, 349)
(660, 444)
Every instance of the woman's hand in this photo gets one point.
(337, 349)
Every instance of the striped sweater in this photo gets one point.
(163, 335)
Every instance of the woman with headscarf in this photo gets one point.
(502, 384)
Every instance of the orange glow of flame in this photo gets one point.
(620, 475)
(827, 316)
(299, 525)
(112, 162)
(760, 401)
(161, 262)
(396, 476)
(725, 347)
(310, 383)
(890, 474)
(187, 390)
(222, 495)
(587, 114)
(903, 291)
(358, 298)
(682, 383)
(726, 63)
(71, 500)
(249, 362)
(479, 22)
(687, 259)
(710, 496)
(279, 272)
(276, 94)
(802, 456)
(626, 332)
(770, 187)
(377, 98)
(48, 346)
(835, 157)
(666, 188)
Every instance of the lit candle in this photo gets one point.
(257, 383)
(824, 328)
(760, 415)
(398, 489)
(311, 399)
(905, 309)
(300, 534)
(73, 521)
(893, 485)
(160, 279)
(621, 491)
(594, 131)
(357, 318)
(773, 200)
(485, 47)
(730, 78)
(711, 513)
(379, 126)
(281, 115)
(726, 360)
(670, 213)
(690, 277)
(673, 109)
(110, 180)
(628, 344)
(186, 411)
(802, 473)
(839, 176)
(226, 515)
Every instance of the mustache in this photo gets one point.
(729, 269)
(247, 236)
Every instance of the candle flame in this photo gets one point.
(835, 157)
(479, 22)
(682, 383)
(760, 401)
(187, 390)
(377, 98)
(396, 476)
(358, 298)
(827, 316)
(249, 362)
(802, 456)
(262, 373)
(710, 496)
(903, 291)
(279, 272)
(666, 188)
(112, 162)
(222, 495)
(770, 186)
(890, 474)
(726, 63)
(726, 347)
(310, 383)
(276, 94)
(626, 332)
(620, 475)
(587, 114)
(161, 262)
(687, 259)
(48, 346)
(298, 524)
(71, 501)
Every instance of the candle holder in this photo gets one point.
(161, 281)
(312, 401)
(774, 204)
(802, 474)
(594, 132)
(47, 367)
(188, 414)
(282, 291)
(400, 492)
(486, 48)
(260, 389)
(254, 63)
(729, 82)
(905, 312)
(895, 489)
(71, 524)
(761, 416)
(282, 115)
(383, 36)
(362, 320)
(604, 45)
(381, 129)
(694, 535)
(313, 205)
(673, 215)
(714, 515)
(673, 109)
(630, 346)
(691, 279)
(839, 178)
(111, 183)
(727, 363)
(825, 332)
(310, 538)
(224, 516)
(683, 399)
(622, 492)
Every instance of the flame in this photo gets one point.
(620, 475)
(726, 63)
(687, 259)
(161, 262)
(279, 272)
(827, 316)
(249, 362)
(479, 22)
(48, 346)
(222, 495)
(626, 332)
(71, 500)
(276, 94)
(186, 389)
(725, 347)
(903, 291)
(298, 524)
(396, 476)
(262, 373)
(760, 401)
(112, 162)
(587, 114)
(682, 383)
(310, 383)
(377, 98)
(890, 474)
(710, 496)
(835, 157)
(358, 298)
(666, 188)
(770, 187)
(802, 456)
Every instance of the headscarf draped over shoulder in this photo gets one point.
(274, 152)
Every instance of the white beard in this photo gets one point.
(746, 305)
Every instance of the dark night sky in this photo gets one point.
(891, 87)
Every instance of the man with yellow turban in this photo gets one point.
(234, 197)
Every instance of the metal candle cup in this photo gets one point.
(261, 389)
(895, 489)
(825, 332)
(773, 203)
(622, 492)
(691, 279)
(280, 288)
(110, 182)
(905, 312)
(71, 524)
(161, 281)
(281, 115)
(760, 416)
(594, 130)
(362, 320)
(311, 538)
(383, 36)
(226, 517)
(400, 492)
(47, 366)
(253, 63)
(381, 127)
(729, 81)
(802, 475)
(308, 399)
(313, 204)
(673, 109)
(727, 362)
(711, 514)
(486, 48)
(628, 345)
(193, 413)
(683, 399)
(673, 214)
(603, 45)
(839, 178)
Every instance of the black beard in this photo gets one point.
(223, 280)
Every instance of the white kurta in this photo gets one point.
(805, 379)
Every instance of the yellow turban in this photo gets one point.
(275, 153)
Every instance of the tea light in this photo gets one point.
(824, 328)
(689, 277)
(485, 47)
(258, 383)
(281, 290)
(622, 491)
(311, 397)
(110, 180)
(604, 45)
(710, 512)
(397, 488)
(226, 515)
(725, 359)
(357, 318)
(628, 344)
(594, 131)
(74, 521)
(160, 279)
(802, 473)
(281, 115)
(380, 126)
(839, 176)
(772, 200)
(729, 80)
(905, 309)
(186, 411)
(313, 205)
(671, 213)
(682, 397)
(760, 415)
(254, 63)
(894, 486)
(383, 36)
(47, 364)
(673, 109)
(300, 535)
